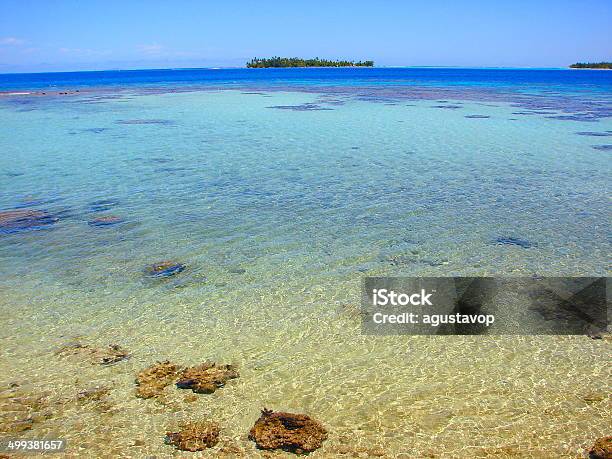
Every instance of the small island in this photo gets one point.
(592, 65)
(259, 63)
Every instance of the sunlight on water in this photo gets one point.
(278, 203)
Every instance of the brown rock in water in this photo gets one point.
(152, 381)
(19, 410)
(206, 378)
(194, 436)
(296, 433)
(601, 449)
(100, 356)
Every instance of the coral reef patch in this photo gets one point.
(105, 220)
(301, 108)
(147, 121)
(20, 411)
(194, 436)
(164, 269)
(102, 205)
(601, 449)
(206, 378)
(95, 355)
(93, 394)
(297, 433)
(152, 381)
(595, 133)
(509, 240)
(25, 219)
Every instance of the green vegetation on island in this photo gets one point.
(299, 62)
(592, 65)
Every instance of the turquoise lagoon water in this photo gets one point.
(279, 195)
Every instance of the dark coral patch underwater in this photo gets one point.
(509, 240)
(194, 436)
(102, 205)
(447, 107)
(147, 121)
(105, 221)
(16, 220)
(301, 108)
(164, 269)
(595, 134)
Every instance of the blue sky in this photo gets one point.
(55, 35)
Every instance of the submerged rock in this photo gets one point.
(206, 378)
(102, 205)
(194, 436)
(95, 130)
(595, 133)
(147, 121)
(301, 107)
(164, 269)
(20, 411)
(586, 117)
(601, 449)
(503, 240)
(106, 220)
(97, 356)
(93, 394)
(25, 219)
(296, 433)
(153, 380)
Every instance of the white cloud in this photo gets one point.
(11, 41)
(152, 49)
(83, 52)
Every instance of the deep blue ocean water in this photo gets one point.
(562, 79)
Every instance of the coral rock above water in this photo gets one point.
(206, 378)
(100, 356)
(194, 436)
(601, 449)
(153, 380)
(296, 433)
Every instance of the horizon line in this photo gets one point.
(250, 69)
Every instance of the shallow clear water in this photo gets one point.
(279, 197)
